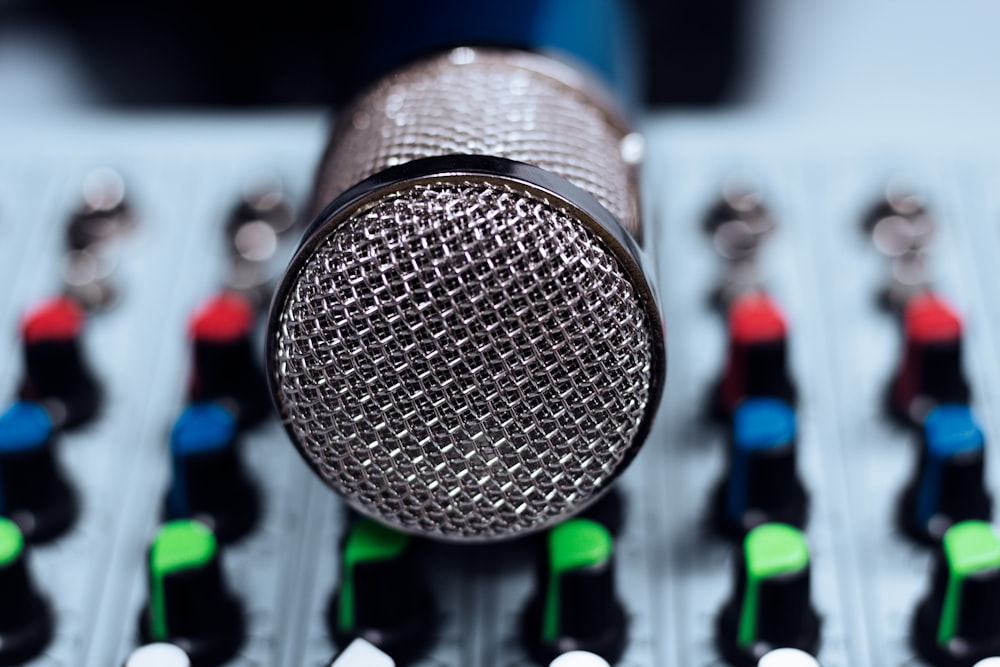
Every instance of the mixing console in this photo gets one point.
(831, 367)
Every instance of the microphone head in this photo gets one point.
(473, 101)
(466, 347)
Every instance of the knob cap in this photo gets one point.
(360, 653)
(25, 619)
(931, 368)
(158, 655)
(209, 481)
(225, 368)
(757, 359)
(189, 605)
(948, 485)
(382, 596)
(575, 606)
(770, 606)
(579, 659)
(958, 623)
(33, 491)
(787, 657)
(762, 484)
(55, 371)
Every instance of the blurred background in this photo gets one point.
(859, 61)
(114, 53)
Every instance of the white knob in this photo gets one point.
(579, 659)
(360, 653)
(158, 655)
(787, 657)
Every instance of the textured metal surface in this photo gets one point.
(510, 104)
(464, 359)
(467, 361)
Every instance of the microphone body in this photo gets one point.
(467, 344)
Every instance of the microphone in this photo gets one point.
(467, 344)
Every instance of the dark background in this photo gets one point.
(296, 53)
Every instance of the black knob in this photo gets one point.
(575, 606)
(756, 364)
(34, 492)
(931, 368)
(771, 602)
(209, 482)
(25, 619)
(958, 623)
(225, 367)
(159, 654)
(361, 653)
(55, 371)
(762, 484)
(382, 596)
(948, 484)
(189, 604)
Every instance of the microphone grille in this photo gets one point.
(512, 104)
(464, 359)
(466, 346)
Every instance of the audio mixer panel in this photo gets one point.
(829, 414)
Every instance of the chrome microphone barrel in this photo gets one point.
(467, 344)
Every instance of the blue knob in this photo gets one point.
(209, 481)
(762, 484)
(34, 493)
(948, 483)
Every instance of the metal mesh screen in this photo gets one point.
(463, 360)
(507, 104)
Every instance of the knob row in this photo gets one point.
(37, 502)
(227, 394)
(769, 616)
(769, 613)
(383, 598)
(756, 398)
(360, 653)
(59, 392)
(192, 618)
